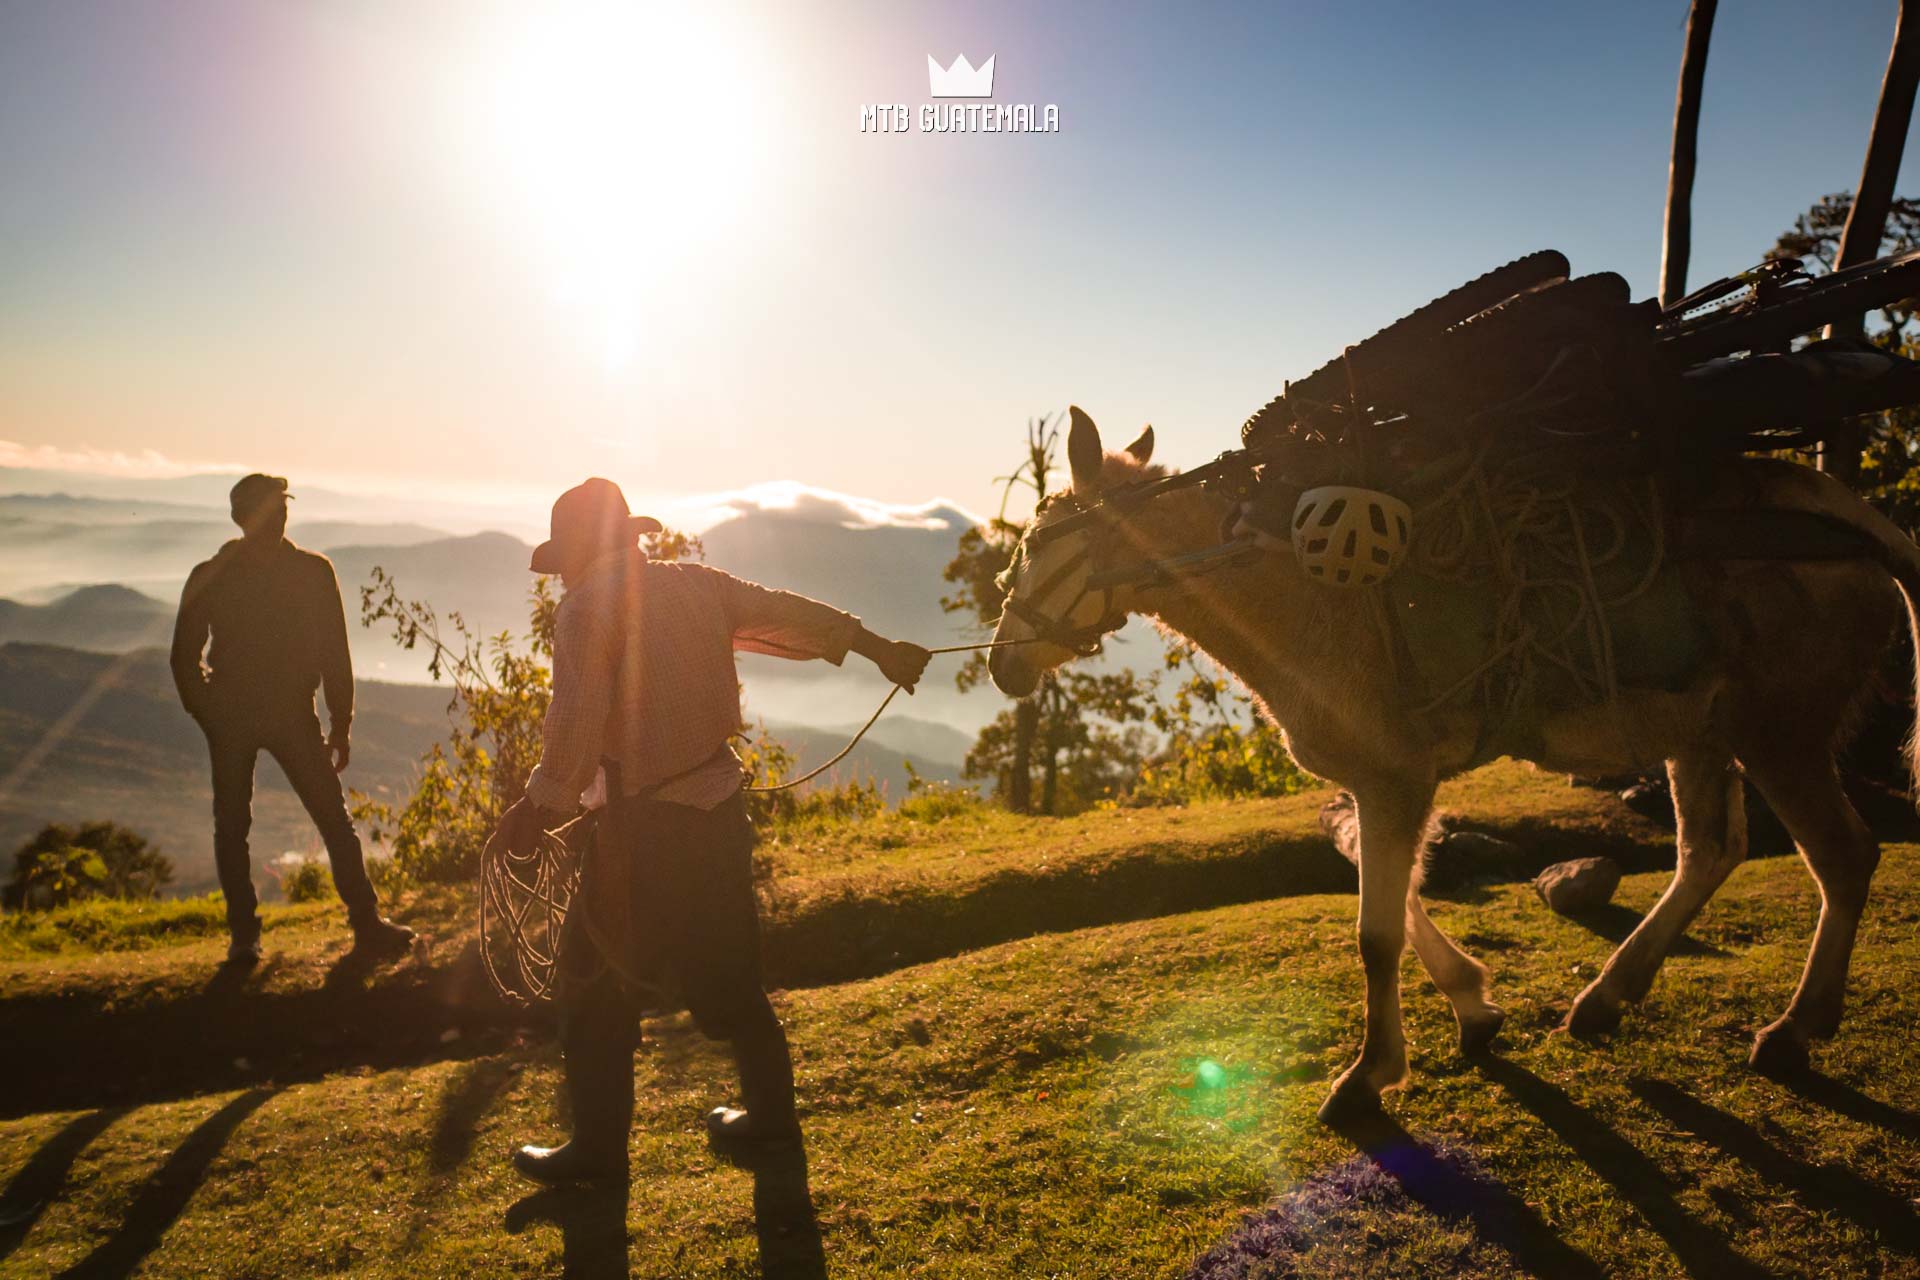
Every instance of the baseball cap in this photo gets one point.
(250, 493)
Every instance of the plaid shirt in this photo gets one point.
(643, 673)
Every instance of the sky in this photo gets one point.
(479, 251)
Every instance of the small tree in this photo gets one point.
(1889, 474)
(1216, 745)
(1072, 726)
(983, 555)
(63, 864)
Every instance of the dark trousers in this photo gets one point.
(293, 738)
(668, 889)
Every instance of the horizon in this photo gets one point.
(393, 231)
(690, 513)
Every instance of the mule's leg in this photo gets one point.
(1709, 804)
(1393, 821)
(1842, 854)
(1462, 979)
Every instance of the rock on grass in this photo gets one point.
(1582, 884)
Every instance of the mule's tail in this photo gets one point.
(1897, 554)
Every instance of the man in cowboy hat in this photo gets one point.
(278, 633)
(644, 684)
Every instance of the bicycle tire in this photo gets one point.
(1496, 355)
(1402, 339)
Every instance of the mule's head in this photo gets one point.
(1049, 607)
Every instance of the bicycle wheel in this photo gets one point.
(1499, 353)
(1406, 337)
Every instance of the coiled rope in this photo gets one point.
(1521, 530)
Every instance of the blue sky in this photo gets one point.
(487, 249)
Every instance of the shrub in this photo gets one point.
(307, 880)
(107, 924)
(63, 864)
(500, 693)
(929, 801)
(1222, 763)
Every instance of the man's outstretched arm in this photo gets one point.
(789, 625)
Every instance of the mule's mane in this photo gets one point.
(1117, 469)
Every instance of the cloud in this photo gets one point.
(145, 464)
(803, 502)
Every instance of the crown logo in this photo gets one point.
(961, 80)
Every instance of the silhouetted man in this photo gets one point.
(278, 633)
(645, 695)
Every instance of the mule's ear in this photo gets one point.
(1083, 451)
(1142, 446)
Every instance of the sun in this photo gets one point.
(612, 140)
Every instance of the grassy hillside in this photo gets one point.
(1107, 1102)
(106, 738)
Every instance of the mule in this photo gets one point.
(1793, 645)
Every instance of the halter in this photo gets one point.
(1230, 473)
(1059, 628)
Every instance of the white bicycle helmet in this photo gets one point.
(1348, 536)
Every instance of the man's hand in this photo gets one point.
(519, 826)
(342, 752)
(899, 661)
(196, 698)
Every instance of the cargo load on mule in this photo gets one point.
(1512, 471)
(1529, 357)
(1514, 465)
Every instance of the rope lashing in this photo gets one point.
(1523, 534)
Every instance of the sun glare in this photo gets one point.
(609, 135)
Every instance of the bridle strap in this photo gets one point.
(1083, 640)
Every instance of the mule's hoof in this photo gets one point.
(1778, 1052)
(1477, 1033)
(1591, 1017)
(1351, 1103)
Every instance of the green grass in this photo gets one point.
(1041, 1109)
(1104, 1102)
(854, 900)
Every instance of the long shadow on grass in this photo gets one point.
(1704, 1252)
(593, 1228)
(1826, 1187)
(474, 1090)
(1614, 922)
(480, 1083)
(44, 1176)
(165, 1194)
(1496, 1214)
(783, 1216)
(172, 1043)
(1842, 1098)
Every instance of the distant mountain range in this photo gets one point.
(61, 551)
(107, 619)
(95, 735)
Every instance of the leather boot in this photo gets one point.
(570, 1162)
(243, 952)
(599, 1083)
(766, 1089)
(377, 938)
